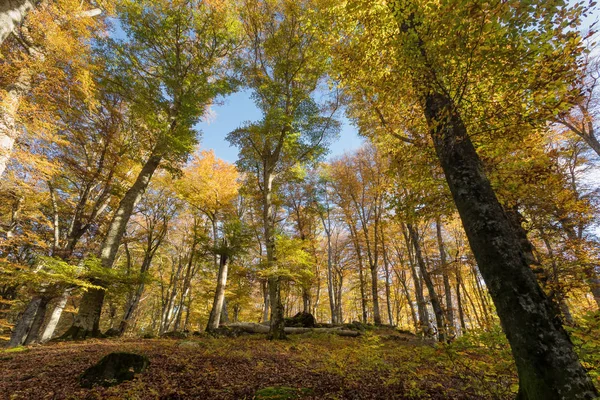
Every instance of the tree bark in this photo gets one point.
(546, 361)
(12, 15)
(445, 276)
(55, 317)
(8, 113)
(87, 321)
(215, 312)
(19, 334)
(433, 297)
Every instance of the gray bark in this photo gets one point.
(55, 317)
(215, 312)
(19, 334)
(12, 15)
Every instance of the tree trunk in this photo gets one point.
(461, 310)
(277, 321)
(546, 361)
(445, 276)
(433, 297)
(19, 334)
(277, 312)
(265, 292)
(87, 320)
(38, 321)
(421, 305)
(12, 15)
(215, 312)
(55, 317)
(10, 106)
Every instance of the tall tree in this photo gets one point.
(283, 64)
(170, 66)
(487, 62)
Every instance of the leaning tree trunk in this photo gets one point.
(215, 312)
(547, 364)
(87, 321)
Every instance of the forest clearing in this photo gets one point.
(278, 199)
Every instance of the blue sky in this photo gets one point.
(239, 108)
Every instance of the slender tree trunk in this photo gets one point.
(357, 249)
(87, 320)
(546, 361)
(219, 300)
(330, 289)
(446, 278)
(424, 324)
(433, 297)
(265, 292)
(461, 310)
(277, 311)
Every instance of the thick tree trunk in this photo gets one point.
(23, 326)
(12, 15)
(8, 111)
(546, 361)
(87, 321)
(277, 321)
(55, 317)
(215, 312)
(38, 321)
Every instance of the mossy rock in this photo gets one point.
(114, 369)
(301, 320)
(281, 393)
(112, 332)
(175, 335)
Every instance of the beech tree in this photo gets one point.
(443, 73)
(283, 64)
(170, 67)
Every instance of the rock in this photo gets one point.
(112, 332)
(114, 369)
(175, 335)
(301, 320)
(355, 326)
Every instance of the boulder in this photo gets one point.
(301, 320)
(114, 369)
(112, 332)
(175, 335)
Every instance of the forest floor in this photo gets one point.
(382, 364)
